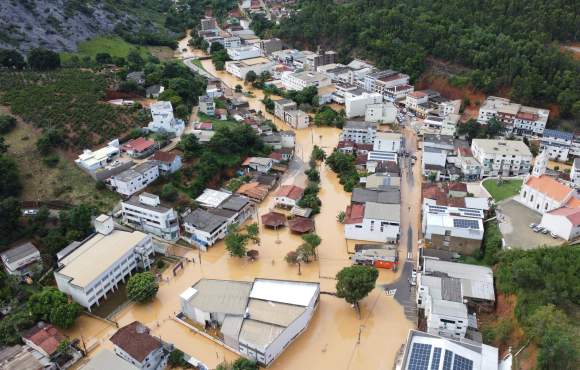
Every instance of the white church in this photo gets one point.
(543, 193)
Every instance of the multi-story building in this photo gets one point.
(502, 157)
(256, 319)
(575, 173)
(372, 221)
(359, 132)
(168, 162)
(164, 120)
(207, 105)
(300, 80)
(381, 113)
(557, 144)
(575, 147)
(90, 269)
(203, 228)
(414, 99)
(244, 52)
(134, 179)
(356, 105)
(231, 42)
(241, 68)
(470, 167)
(145, 212)
(313, 61)
(391, 84)
(516, 118)
(270, 45)
(134, 344)
(387, 142)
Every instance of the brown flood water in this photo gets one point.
(330, 342)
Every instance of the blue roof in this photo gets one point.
(558, 134)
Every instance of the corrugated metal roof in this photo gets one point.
(476, 281)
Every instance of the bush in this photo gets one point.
(160, 264)
(43, 59)
(169, 193)
(51, 160)
(7, 123)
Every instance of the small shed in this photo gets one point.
(301, 225)
(274, 220)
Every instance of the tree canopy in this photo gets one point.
(142, 287)
(52, 305)
(355, 282)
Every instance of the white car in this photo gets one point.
(413, 279)
(29, 212)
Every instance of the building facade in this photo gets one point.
(135, 179)
(502, 157)
(145, 212)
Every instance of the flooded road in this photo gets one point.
(336, 337)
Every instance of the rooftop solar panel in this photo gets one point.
(462, 363)
(436, 358)
(419, 359)
(465, 224)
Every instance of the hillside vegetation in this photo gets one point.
(513, 44)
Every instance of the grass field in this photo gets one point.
(114, 45)
(65, 182)
(216, 122)
(164, 53)
(507, 189)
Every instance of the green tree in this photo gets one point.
(103, 58)
(318, 153)
(169, 193)
(9, 219)
(3, 146)
(53, 306)
(7, 123)
(142, 287)
(355, 282)
(238, 88)
(135, 60)
(176, 358)
(43, 59)
(11, 59)
(10, 184)
(251, 76)
(236, 242)
(190, 146)
(78, 218)
(253, 230)
(311, 242)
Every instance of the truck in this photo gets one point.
(384, 256)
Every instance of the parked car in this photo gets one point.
(545, 231)
(30, 212)
(533, 225)
(413, 279)
(553, 235)
(538, 229)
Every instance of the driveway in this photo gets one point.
(514, 221)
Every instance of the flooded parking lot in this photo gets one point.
(336, 337)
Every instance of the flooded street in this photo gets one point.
(336, 338)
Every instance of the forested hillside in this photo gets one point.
(504, 43)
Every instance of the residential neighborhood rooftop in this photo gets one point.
(135, 340)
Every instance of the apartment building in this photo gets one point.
(575, 173)
(516, 118)
(502, 157)
(557, 144)
(575, 147)
(359, 132)
(164, 120)
(470, 167)
(90, 269)
(300, 80)
(373, 221)
(146, 213)
(134, 179)
(313, 61)
(203, 228)
(355, 105)
(134, 344)
(387, 142)
(207, 105)
(381, 113)
(414, 99)
(391, 84)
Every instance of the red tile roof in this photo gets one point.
(46, 337)
(527, 116)
(457, 186)
(136, 340)
(550, 187)
(354, 214)
(572, 214)
(140, 144)
(290, 191)
(277, 156)
(465, 151)
(208, 126)
(165, 157)
(440, 193)
(417, 94)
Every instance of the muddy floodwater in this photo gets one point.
(336, 337)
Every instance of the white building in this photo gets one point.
(557, 144)
(105, 359)
(207, 105)
(92, 161)
(288, 139)
(575, 173)
(134, 344)
(428, 351)
(241, 68)
(232, 42)
(414, 99)
(288, 195)
(94, 267)
(163, 119)
(300, 80)
(244, 52)
(355, 105)
(258, 320)
(502, 157)
(21, 260)
(203, 228)
(387, 142)
(259, 164)
(145, 212)
(517, 118)
(543, 193)
(168, 162)
(385, 82)
(563, 222)
(296, 118)
(381, 113)
(375, 222)
(359, 132)
(134, 179)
